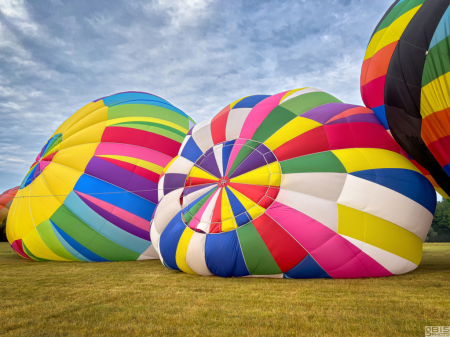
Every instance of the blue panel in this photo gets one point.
(243, 219)
(226, 152)
(407, 182)
(115, 196)
(29, 178)
(131, 96)
(442, 30)
(191, 151)
(250, 102)
(307, 268)
(224, 256)
(104, 227)
(236, 205)
(169, 239)
(447, 169)
(380, 112)
(78, 247)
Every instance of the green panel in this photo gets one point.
(47, 235)
(158, 129)
(89, 238)
(303, 103)
(317, 162)
(276, 119)
(194, 209)
(437, 62)
(27, 251)
(243, 153)
(398, 11)
(145, 110)
(257, 256)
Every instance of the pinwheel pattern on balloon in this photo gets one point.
(92, 191)
(294, 185)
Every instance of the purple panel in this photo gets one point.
(270, 157)
(209, 164)
(209, 151)
(37, 171)
(262, 149)
(364, 118)
(193, 189)
(173, 181)
(253, 161)
(190, 132)
(122, 224)
(122, 178)
(325, 112)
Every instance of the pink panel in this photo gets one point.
(259, 113)
(196, 220)
(338, 257)
(126, 150)
(119, 212)
(373, 92)
(234, 152)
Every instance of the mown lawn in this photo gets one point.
(144, 298)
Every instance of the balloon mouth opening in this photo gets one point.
(229, 186)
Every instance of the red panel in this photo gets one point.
(17, 246)
(217, 215)
(286, 251)
(219, 126)
(340, 136)
(121, 135)
(310, 142)
(373, 92)
(440, 150)
(140, 171)
(192, 181)
(253, 192)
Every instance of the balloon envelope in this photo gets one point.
(405, 79)
(6, 199)
(92, 191)
(294, 185)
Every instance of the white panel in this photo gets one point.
(166, 210)
(197, 194)
(321, 185)
(299, 93)
(195, 255)
(321, 210)
(386, 204)
(205, 221)
(219, 157)
(161, 188)
(235, 122)
(202, 135)
(149, 254)
(394, 263)
(180, 165)
(155, 237)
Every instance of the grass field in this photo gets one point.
(144, 298)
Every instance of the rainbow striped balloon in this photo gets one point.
(92, 191)
(6, 199)
(294, 185)
(405, 79)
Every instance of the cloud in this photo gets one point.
(200, 55)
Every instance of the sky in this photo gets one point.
(200, 55)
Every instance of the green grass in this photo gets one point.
(144, 298)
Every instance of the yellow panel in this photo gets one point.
(390, 34)
(294, 128)
(380, 233)
(361, 159)
(145, 119)
(265, 175)
(199, 173)
(228, 221)
(60, 179)
(76, 157)
(228, 225)
(246, 202)
(92, 134)
(38, 248)
(10, 220)
(135, 161)
(42, 207)
(95, 117)
(290, 92)
(78, 115)
(435, 96)
(182, 250)
(22, 223)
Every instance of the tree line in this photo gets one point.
(440, 227)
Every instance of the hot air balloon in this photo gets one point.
(6, 199)
(92, 191)
(405, 80)
(294, 185)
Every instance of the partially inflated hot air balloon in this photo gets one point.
(405, 80)
(92, 191)
(294, 185)
(6, 199)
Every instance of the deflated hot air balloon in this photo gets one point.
(405, 80)
(294, 185)
(6, 199)
(92, 191)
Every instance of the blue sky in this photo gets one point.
(56, 56)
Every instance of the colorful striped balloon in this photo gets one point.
(6, 199)
(294, 185)
(92, 191)
(405, 78)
